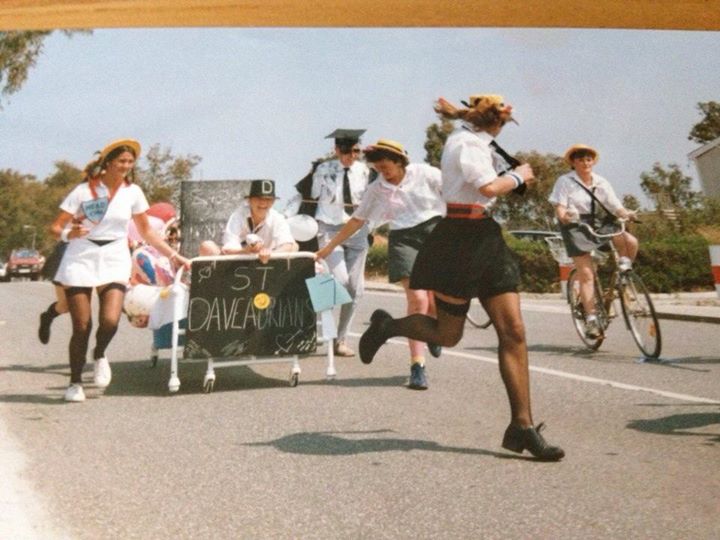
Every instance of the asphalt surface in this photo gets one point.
(362, 456)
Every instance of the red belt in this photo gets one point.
(466, 211)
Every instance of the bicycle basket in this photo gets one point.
(557, 248)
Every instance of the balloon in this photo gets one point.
(162, 210)
(139, 301)
(156, 224)
(302, 227)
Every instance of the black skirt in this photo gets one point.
(466, 258)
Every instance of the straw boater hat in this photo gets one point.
(578, 148)
(483, 102)
(375, 152)
(132, 143)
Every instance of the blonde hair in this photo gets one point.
(487, 116)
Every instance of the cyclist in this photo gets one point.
(581, 196)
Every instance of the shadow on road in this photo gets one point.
(328, 443)
(680, 425)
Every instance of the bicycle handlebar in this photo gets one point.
(592, 231)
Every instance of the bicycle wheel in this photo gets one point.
(639, 314)
(577, 311)
(476, 316)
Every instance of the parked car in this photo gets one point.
(3, 271)
(538, 236)
(25, 262)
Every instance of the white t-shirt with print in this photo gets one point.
(128, 201)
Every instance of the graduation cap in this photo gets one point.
(346, 136)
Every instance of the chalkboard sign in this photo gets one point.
(241, 307)
(205, 208)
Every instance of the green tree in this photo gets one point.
(436, 135)
(162, 177)
(532, 210)
(19, 214)
(669, 188)
(19, 52)
(708, 129)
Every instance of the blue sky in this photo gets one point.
(257, 103)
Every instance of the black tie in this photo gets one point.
(347, 198)
(512, 163)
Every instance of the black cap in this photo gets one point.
(346, 136)
(262, 188)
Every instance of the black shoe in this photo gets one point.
(46, 319)
(374, 337)
(435, 350)
(518, 439)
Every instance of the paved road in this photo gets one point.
(360, 457)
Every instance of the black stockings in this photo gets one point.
(446, 330)
(79, 302)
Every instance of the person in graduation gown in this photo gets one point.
(338, 185)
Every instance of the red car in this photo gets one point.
(25, 262)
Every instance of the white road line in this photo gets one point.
(22, 511)
(575, 377)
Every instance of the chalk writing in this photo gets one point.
(224, 320)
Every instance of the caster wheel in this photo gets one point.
(294, 379)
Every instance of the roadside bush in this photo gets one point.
(672, 264)
(377, 259)
(538, 269)
(675, 263)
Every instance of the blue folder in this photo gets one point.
(325, 292)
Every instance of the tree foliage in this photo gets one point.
(532, 210)
(708, 129)
(436, 135)
(668, 187)
(162, 177)
(19, 52)
(28, 205)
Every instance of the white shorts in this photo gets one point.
(85, 264)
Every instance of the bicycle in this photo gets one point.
(623, 285)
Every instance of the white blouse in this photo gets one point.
(568, 193)
(414, 200)
(274, 231)
(468, 163)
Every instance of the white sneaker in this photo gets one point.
(102, 374)
(75, 393)
(624, 264)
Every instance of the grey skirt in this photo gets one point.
(403, 247)
(579, 241)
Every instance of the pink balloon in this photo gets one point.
(163, 210)
(156, 224)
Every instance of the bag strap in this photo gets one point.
(594, 198)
